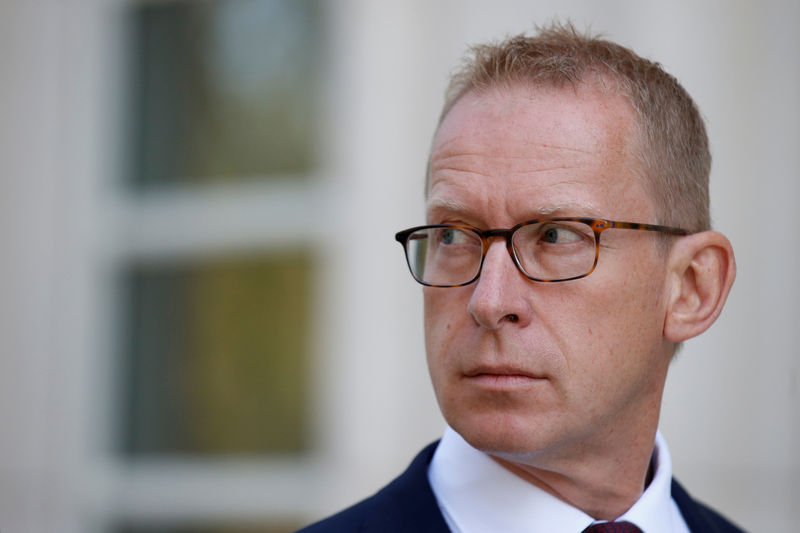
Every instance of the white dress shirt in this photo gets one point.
(478, 495)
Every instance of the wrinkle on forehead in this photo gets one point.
(464, 200)
(566, 148)
(443, 152)
(463, 166)
(458, 164)
(464, 162)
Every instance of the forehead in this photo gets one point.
(549, 150)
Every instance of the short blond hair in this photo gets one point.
(673, 145)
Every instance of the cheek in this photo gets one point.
(446, 321)
(622, 325)
(439, 318)
(639, 309)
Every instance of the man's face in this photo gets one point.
(529, 370)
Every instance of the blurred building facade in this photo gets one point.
(206, 325)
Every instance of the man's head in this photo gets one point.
(532, 372)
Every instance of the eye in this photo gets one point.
(449, 236)
(560, 235)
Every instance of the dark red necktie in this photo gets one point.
(613, 527)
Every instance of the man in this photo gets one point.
(567, 254)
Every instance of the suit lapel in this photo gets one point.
(413, 505)
(697, 516)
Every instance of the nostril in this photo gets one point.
(512, 317)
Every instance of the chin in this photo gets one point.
(500, 434)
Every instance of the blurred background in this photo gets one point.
(205, 323)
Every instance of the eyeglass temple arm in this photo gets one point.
(648, 227)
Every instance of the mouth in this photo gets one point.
(502, 377)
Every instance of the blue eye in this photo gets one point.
(454, 238)
(550, 235)
(560, 235)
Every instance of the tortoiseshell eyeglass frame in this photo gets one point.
(598, 226)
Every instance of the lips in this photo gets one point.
(501, 371)
(502, 376)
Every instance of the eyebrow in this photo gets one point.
(568, 209)
(446, 204)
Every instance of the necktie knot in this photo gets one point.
(613, 527)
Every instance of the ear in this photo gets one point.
(701, 271)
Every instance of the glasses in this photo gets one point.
(546, 250)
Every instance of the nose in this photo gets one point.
(500, 295)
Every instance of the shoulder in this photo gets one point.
(405, 504)
(698, 516)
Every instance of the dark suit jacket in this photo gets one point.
(408, 504)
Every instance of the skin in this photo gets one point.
(560, 382)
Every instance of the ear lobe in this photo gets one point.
(702, 268)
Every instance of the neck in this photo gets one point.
(604, 483)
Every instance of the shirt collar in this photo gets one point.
(653, 512)
(485, 497)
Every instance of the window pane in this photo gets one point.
(224, 90)
(218, 356)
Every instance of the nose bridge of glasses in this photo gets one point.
(492, 233)
(487, 236)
